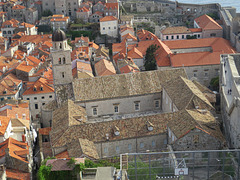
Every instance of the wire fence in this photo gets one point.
(189, 165)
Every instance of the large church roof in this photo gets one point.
(59, 35)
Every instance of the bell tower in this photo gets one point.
(62, 67)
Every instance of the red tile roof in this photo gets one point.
(83, 9)
(12, 23)
(20, 111)
(128, 69)
(195, 29)
(104, 68)
(111, 5)
(4, 124)
(44, 131)
(134, 53)
(207, 23)
(16, 148)
(108, 18)
(41, 86)
(18, 7)
(129, 36)
(62, 155)
(218, 45)
(16, 174)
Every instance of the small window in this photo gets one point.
(94, 110)
(36, 106)
(153, 143)
(115, 27)
(64, 61)
(198, 35)
(172, 37)
(43, 97)
(109, 27)
(34, 89)
(116, 109)
(28, 98)
(103, 28)
(183, 36)
(50, 96)
(63, 75)
(35, 98)
(59, 61)
(213, 34)
(194, 74)
(141, 145)
(166, 37)
(157, 103)
(117, 149)
(43, 104)
(129, 147)
(105, 150)
(177, 36)
(137, 106)
(205, 74)
(41, 88)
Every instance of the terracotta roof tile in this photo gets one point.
(18, 7)
(83, 9)
(129, 36)
(16, 174)
(62, 155)
(4, 124)
(207, 23)
(39, 87)
(16, 149)
(134, 53)
(104, 68)
(44, 131)
(108, 18)
(111, 5)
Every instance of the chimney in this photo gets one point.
(107, 137)
(24, 116)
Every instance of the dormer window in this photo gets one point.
(5, 92)
(116, 131)
(34, 88)
(41, 88)
(149, 126)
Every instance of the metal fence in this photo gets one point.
(187, 165)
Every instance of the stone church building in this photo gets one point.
(109, 115)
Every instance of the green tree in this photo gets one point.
(215, 83)
(150, 61)
(47, 13)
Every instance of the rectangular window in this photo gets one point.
(153, 143)
(28, 98)
(141, 145)
(183, 36)
(116, 108)
(117, 149)
(137, 106)
(129, 147)
(103, 28)
(50, 96)
(166, 37)
(177, 36)
(36, 106)
(172, 37)
(43, 104)
(205, 74)
(94, 111)
(42, 97)
(63, 75)
(105, 150)
(157, 103)
(35, 98)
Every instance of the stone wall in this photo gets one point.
(196, 140)
(126, 105)
(135, 145)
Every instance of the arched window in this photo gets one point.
(64, 61)
(60, 45)
(59, 61)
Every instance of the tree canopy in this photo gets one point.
(150, 61)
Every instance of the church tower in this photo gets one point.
(62, 67)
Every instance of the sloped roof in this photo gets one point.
(82, 147)
(41, 86)
(44, 131)
(207, 23)
(111, 5)
(186, 120)
(129, 36)
(134, 53)
(9, 85)
(218, 45)
(16, 148)
(108, 18)
(123, 85)
(96, 132)
(18, 7)
(20, 111)
(59, 164)
(104, 68)
(16, 174)
(4, 124)
(62, 155)
(69, 114)
(186, 97)
(83, 9)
